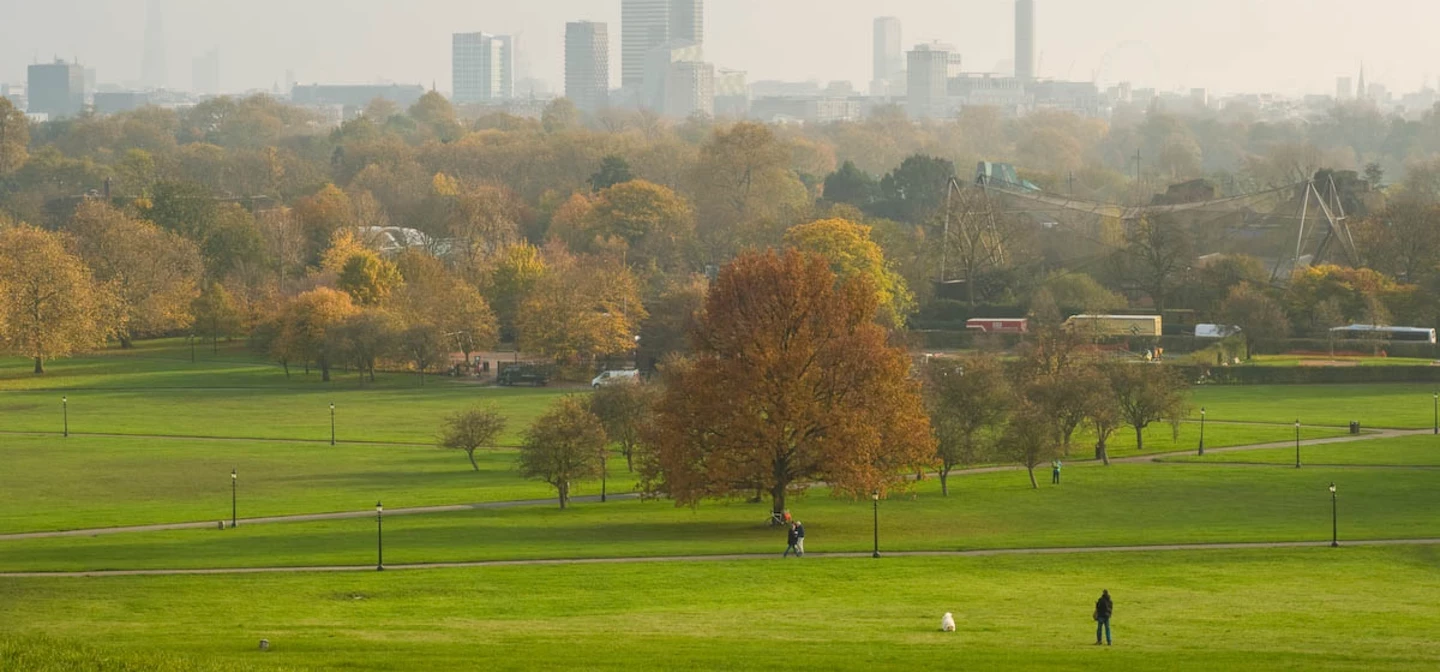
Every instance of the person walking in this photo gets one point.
(799, 539)
(1103, 608)
(792, 539)
(1055, 472)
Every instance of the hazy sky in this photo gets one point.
(1290, 46)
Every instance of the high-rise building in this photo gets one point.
(689, 89)
(658, 67)
(647, 24)
(153, 70)
(928, 81)
(482, 67)
(587, 64)
(1025, 40)
(56, 89)
(205, 74)
(889, 56)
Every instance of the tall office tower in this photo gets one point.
(205, 74)
(647, 24)
(689, 89)
(482, 67)
(56, 89)
(929, 81)
(153, 72)
(1343, 89)
(889, 56)
(587, 64)
(1025, 40)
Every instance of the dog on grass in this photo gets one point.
(947, 624)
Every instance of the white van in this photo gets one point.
(615, 377)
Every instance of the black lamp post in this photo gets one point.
(65, 411)
(332, 423)
(379, 537)
(234, 481)
(1297, 444)
(1334, 520)
(875, 502)
(1437, 412)
(1202, 431)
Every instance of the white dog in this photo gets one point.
(947, 624)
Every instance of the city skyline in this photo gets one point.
(1269, 51)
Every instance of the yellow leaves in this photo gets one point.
(344, 245)
(852, 254)
(444, 185)
(51, 305)
(368, 279)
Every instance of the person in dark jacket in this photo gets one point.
(799, 538)
(1103, 608)
(791, 540)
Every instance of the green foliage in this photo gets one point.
(368, 279)
(564, 445)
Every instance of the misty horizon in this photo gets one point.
(1227, 46)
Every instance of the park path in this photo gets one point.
(509, 504)
(719, 558)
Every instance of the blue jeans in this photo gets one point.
(1102, 624)
(789, 549)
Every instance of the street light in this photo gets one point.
(332, 423)
(875, 501)
(1202, 431)
(65, 410)
(379, 537)
(234, 480)
(1334, 520)
(1297, 444)
(1437, 412)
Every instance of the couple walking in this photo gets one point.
(795, 540)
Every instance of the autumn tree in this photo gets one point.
(1148, 393)
(424, 345)
(613, 170)
(362, 339)
(1030, 439)
(563, 446)
(851, 252)
(14, 138)
(217, 315)
(517, 269)
(433, 294)
(152, 274)
(744, 188)
(625, 411)
(320, 215)
(791, 382)
(368, 279)
(1262, 320)
(1157, 257)
(968, 399)
(50, 305)
(656, 225)
(665, 331)
(303, 323)
(581, 308)
(471, 430)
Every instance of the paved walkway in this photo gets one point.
(723, 558)
(451, 508)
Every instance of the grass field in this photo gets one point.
(1126, 504)
(1407, 451)
(1393, 405)
(1307, 609)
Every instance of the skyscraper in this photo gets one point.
(153, 72)
(587, 64)
(647, 24)
(205, 74)
(482, 67)
(56, 89)
(929, 81)
(889, 56)
(1025, 40)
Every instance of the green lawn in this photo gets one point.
(1400, 451)
(1125, 504)
(1302, 609)
(1397, 405)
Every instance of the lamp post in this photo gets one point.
(65, 412)
(234, 481)
(379, 537)
(875, 502)
(1297, 444)
(332, 423)
(1437, 412)
(1202, 431)
(1334, 520)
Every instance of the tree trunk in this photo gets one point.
(1139, 438)
(286, 364)
(39, 365)
(564, 490)
(471, 454)
(324, 370)
(126, 343)
(777, 498)
(945, 481)
(629, 459)
(604, 475)
(1031, 469)
(1101, 452)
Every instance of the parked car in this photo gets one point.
(615, 378)
(523, 374)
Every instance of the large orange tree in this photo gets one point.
(791, 383)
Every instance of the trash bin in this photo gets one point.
(1354, 427)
